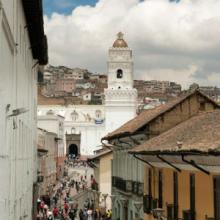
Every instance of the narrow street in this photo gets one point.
(73, 196)
(109, 110)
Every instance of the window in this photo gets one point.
(74, 115)
(149, 182)
(175, 195)
(170, 212)
(119, 73)
(192, 196)
(217, 197)
(160, 189)
(98, 113)
(147, 199)
(202, 106)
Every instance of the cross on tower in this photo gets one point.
(120, 35)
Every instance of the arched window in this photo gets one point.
(74, 115)
(119, 73)
(98, 114)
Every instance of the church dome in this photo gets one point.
(120, 42)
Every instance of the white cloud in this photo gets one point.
(167, 39)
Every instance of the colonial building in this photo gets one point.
(128, 170)
(55, 124)
(92, 122)
(47, 161)
(86, 121)
(103, 173)
(23, 47)
(183, 176)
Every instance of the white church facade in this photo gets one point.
(92, 122)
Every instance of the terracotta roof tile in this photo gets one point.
(103, 153)
(200, 133)
(148, 115)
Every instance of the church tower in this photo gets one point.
(120, 96)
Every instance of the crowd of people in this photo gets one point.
(89, 214)
(61, 205)
(58, 207)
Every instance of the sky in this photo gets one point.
(171, 40)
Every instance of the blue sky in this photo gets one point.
(64, 6)
(176, 40)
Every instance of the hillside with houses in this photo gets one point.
(63, 85)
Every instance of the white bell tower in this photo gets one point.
(120, 96)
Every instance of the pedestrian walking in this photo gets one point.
(66, 206)
(49, 215)
(72, 214)
(55, 212)
(81, 214)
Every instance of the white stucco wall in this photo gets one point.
(120, 96)
(105, 177)
(85, 124)
(47, 163)
(55, 124)
(18, 149)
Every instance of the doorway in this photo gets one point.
(73, 151)
(217, 197)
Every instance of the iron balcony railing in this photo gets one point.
(128, 185)
(149, 204)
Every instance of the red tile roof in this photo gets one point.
(200, 133)
(147, 116)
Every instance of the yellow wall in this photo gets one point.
(105, 176)
(204, 198)
(185, 110)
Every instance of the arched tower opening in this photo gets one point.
(119, 73)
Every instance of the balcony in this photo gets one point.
(188, 215)
(170, 212)
(137, 188)
(120, 184)
(149, 204)
(127, 185)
